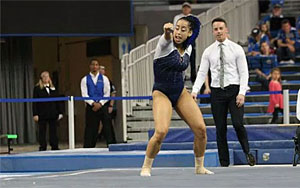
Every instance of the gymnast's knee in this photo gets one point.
(159, 135)
(200, 132)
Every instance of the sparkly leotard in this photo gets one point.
(168, 69)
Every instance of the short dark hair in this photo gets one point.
(94, 59)
(285, 21)
(219, 20)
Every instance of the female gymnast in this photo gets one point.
(172, 56)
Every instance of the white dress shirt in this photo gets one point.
(47, 88)
(106, 89)
(235, 66)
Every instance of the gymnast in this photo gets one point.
(172, 56)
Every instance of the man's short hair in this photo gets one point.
(285, 21)
(94, 60)
(219, 20)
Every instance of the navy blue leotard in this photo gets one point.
(168, 69)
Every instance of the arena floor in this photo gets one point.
(234, 176)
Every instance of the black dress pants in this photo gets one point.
(92, 126)
(52, 134)
(221, 101)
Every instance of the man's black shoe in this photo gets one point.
(42, 149)
(224, 165)
(250, 159)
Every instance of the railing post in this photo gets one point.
(71, 122)
(286, 107)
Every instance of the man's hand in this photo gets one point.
(240, 100)
(110, 109)
(291, 47)
(60, 116)
(207, 91)
(194, 95)
(96, 106)
(36, 118)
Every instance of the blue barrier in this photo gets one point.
(2, 100)
(255, 133)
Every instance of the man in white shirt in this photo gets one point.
(96, 85)
(229, 83)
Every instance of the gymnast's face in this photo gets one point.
(182, 31)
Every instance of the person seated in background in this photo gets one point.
(277, 2)
(265, 31)
(263, 74)
(187, 11)
(287, 37)
(254, 42)
(276, 13)
(298, 40)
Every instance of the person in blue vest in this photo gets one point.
(96, 85)
(172, 57)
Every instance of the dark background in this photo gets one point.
(66, 17)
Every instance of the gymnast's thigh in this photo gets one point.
(189, 111)
(162, 111)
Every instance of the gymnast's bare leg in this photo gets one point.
(162, 113)
(189, 111)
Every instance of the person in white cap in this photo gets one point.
(186, 11)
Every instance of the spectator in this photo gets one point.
(298, 25)
(298, 40)
(96, 85)
(263, 74)
(286, 43)
(276, 100)
(46, 112)
(265, 31)
(186, 11)
(276, 13)
(277, 2)
(110, 104)
(254, 42)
